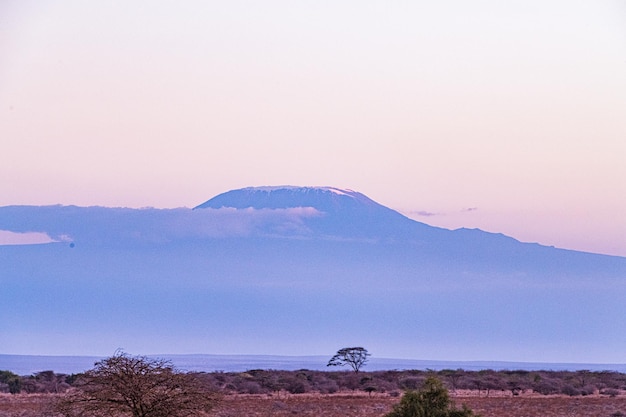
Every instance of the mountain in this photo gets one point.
(326, 199)
(299, 271)
(338, 213)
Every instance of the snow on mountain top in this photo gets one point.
(299, 188)
(285, 196)
(338, 191)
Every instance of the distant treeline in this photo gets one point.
(485, 382)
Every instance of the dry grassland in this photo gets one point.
(24, 405)
(362, 405)
(338, 405)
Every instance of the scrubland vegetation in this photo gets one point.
(486, 383)
(136, 386)
(361, 404)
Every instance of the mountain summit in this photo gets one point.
(326, 199)
(342, 212)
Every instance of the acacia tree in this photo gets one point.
(355, 357)
(136, 386)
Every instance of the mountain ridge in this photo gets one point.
(361, 217)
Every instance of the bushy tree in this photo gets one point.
(355, 357)
(45, 381)
(12, 381)
(432, 400)
(125, 385)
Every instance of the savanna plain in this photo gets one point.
(363, 405)
(366, 394)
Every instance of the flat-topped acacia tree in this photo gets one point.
(355, 357)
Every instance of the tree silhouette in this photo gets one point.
(355, 357)
(124, 385)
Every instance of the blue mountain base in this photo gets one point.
(309, 271)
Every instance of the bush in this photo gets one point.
(611, 392)
(411, 383)
(570, 390)
(432, 400)
(10, 382)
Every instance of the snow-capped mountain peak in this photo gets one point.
(343, 211)
(269, 188)
(288, 196)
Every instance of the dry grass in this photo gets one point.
(337, 405)
(24, 405)
(304, 405)
(362, 405)
(548, 406)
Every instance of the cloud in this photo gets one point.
(426, 213)
(28, 238)
(226, 222)
(421, 213)
(97, 224)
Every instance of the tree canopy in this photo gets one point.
(12, 380)
(355, 357)
(136, 386)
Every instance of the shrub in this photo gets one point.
(611, 392)
(570, 390)
(432, 400)
(12, 382)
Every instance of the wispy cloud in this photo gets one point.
(28, 238)
(96, 224)
(424, 213)
(240, 222)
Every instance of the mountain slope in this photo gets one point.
(341, 213)
(293, 270)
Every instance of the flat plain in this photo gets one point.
(364, 405)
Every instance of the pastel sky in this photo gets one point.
(507, 116)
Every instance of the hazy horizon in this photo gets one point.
(28, 365)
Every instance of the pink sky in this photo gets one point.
(514, 110)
